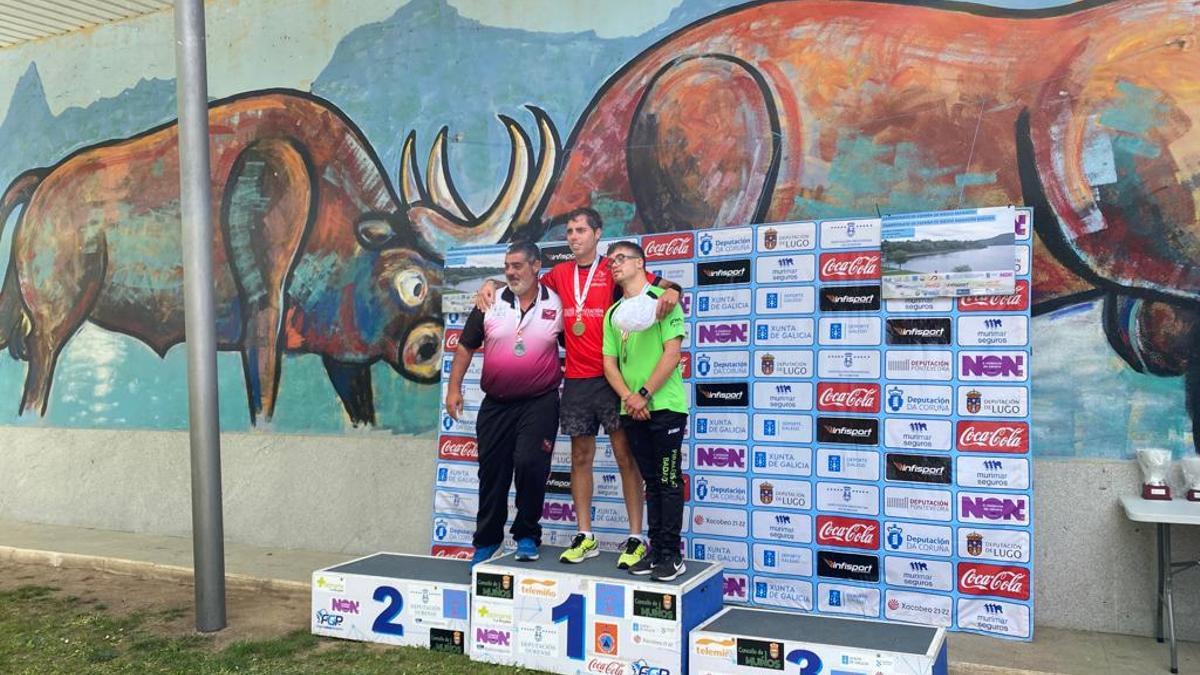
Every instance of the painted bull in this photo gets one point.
(796, 109)
(314, 252)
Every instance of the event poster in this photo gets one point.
(846, 453)
(949, 253)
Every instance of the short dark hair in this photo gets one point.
(593, 218)
(628, 246)
(527, 248)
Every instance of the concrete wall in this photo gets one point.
(367, 492)
(1094, 569)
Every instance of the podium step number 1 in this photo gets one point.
(590, 617)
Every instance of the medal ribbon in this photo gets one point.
(580, 297)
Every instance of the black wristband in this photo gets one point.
(644, 393)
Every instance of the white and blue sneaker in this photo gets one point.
(484, 554)
(527, 550)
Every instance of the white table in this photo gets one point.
(1164, 514)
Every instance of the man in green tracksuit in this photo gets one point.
(641, 363)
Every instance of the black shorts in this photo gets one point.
(586, 404)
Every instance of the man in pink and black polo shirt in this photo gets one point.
(518, 418)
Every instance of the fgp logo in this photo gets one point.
(810, 663)
(329, 619)
(895, 399)
(640, 667)
(895, 537)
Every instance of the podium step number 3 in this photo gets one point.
(747, 641)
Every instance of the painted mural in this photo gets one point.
(725, 113)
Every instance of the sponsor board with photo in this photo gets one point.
(415, 601)
(828, 418)
(574, 619)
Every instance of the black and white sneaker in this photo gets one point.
(644, 566)
(668, 569)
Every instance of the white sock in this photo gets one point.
(641, 537)
(587, 533)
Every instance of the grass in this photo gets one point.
(41, 632)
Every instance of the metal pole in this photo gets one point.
(208, 546)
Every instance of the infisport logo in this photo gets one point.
(850, 298)
(850, 566)
(722, 272)
(918, 469)
(848, 430)
(918, 331)
(674, 246)
(722, 395)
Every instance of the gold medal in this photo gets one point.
(577, 328)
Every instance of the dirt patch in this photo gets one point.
(169, 605)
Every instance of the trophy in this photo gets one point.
(1155, 463)
(1190, 467)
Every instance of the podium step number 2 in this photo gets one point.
(410, 600)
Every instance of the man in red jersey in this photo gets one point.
(587, 289)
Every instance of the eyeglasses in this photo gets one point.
(620, 258)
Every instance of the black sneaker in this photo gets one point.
(645, 565)
(668, 568)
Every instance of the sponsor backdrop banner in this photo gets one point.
(846, 454)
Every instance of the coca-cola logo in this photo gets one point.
(847, 532)
(1017, 302)
(457, 552)
(685, 365)
(605, 666)
(843, 397)
(857, 266)
(452, 337)
(668, 246)
(1010, 437)
(997, 580)
(462, 448)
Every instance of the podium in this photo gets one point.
(588, 617)
(746, 641)
(410, 600)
